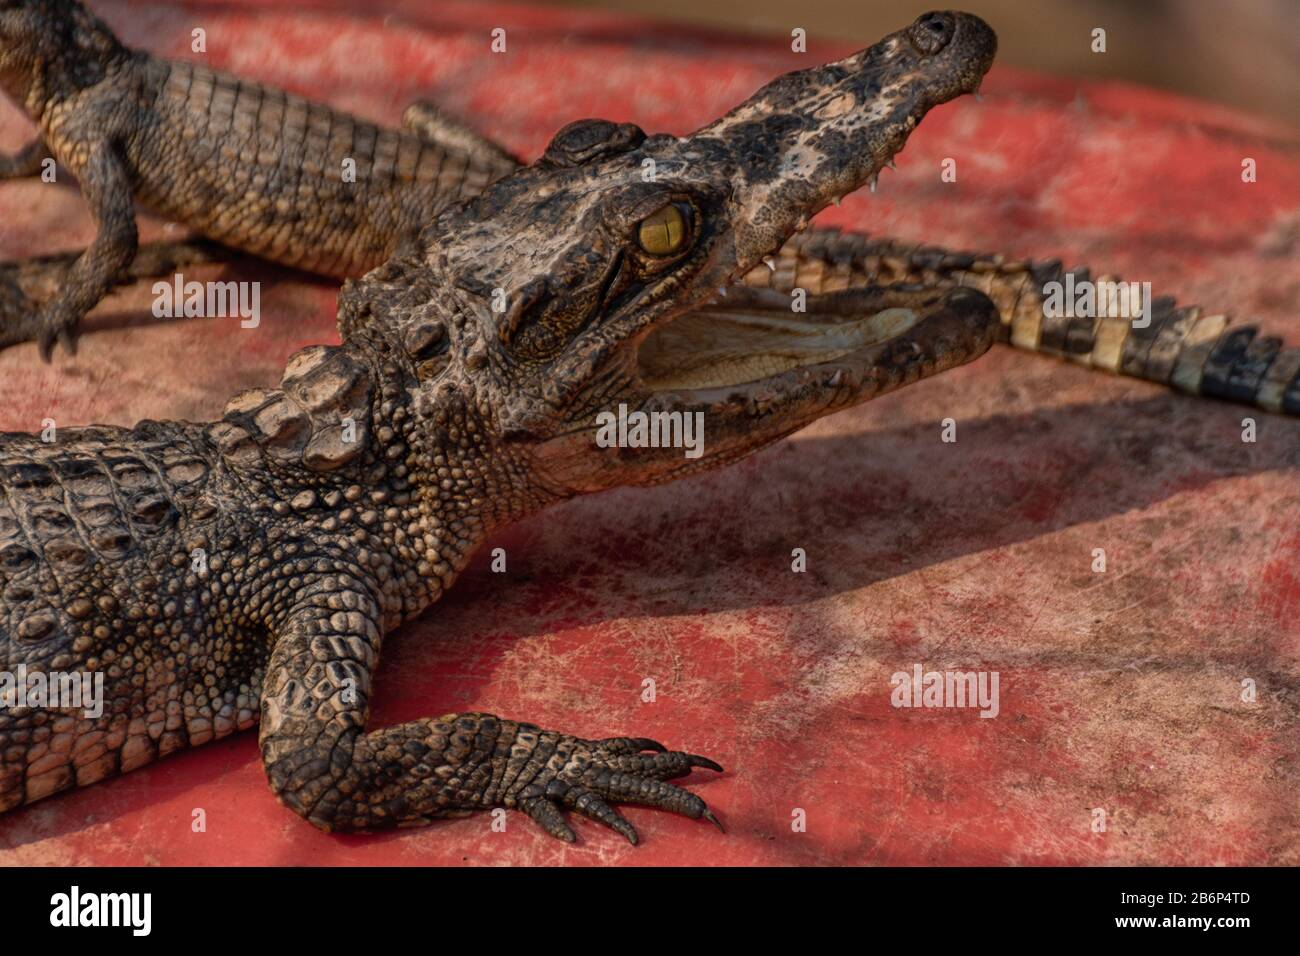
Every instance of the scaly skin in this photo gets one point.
(1199, 354)
(244, 571)
(257, 169)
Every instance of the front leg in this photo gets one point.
(325, 766)
(24, 163)
(106, 186)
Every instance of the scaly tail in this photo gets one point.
(1197, 353)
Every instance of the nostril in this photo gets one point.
(931, 32)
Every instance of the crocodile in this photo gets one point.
(238, 139)
(217, 576)
(251, 167)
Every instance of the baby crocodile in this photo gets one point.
(255, 168)
(243, 572)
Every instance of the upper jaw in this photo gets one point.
(809, 138)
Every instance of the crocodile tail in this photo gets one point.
(1183, 347)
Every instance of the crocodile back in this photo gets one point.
(221, 154)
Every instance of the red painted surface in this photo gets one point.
(1118, 690)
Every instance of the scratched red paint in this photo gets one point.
(1119, 691)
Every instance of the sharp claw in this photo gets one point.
(619, 771)
(549, 818)
(589, 804)
(630, 834)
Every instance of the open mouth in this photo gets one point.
(753, 352)
(758, 336)
(750, 335)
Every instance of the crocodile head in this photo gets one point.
(589, 282)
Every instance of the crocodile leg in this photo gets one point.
(103, 265)
(28, 284)
(38, 279)
(26, 162)
(325, 766)
(1182, 347)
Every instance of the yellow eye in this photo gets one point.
(663, 233)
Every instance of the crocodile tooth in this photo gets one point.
(836, 200)
(770, 262)
(872, 184)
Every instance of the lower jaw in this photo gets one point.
(723, 347)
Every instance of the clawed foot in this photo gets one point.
(588, 775)
(22, 320)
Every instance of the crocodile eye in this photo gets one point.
(664, 232)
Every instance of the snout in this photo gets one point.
(810, 137)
